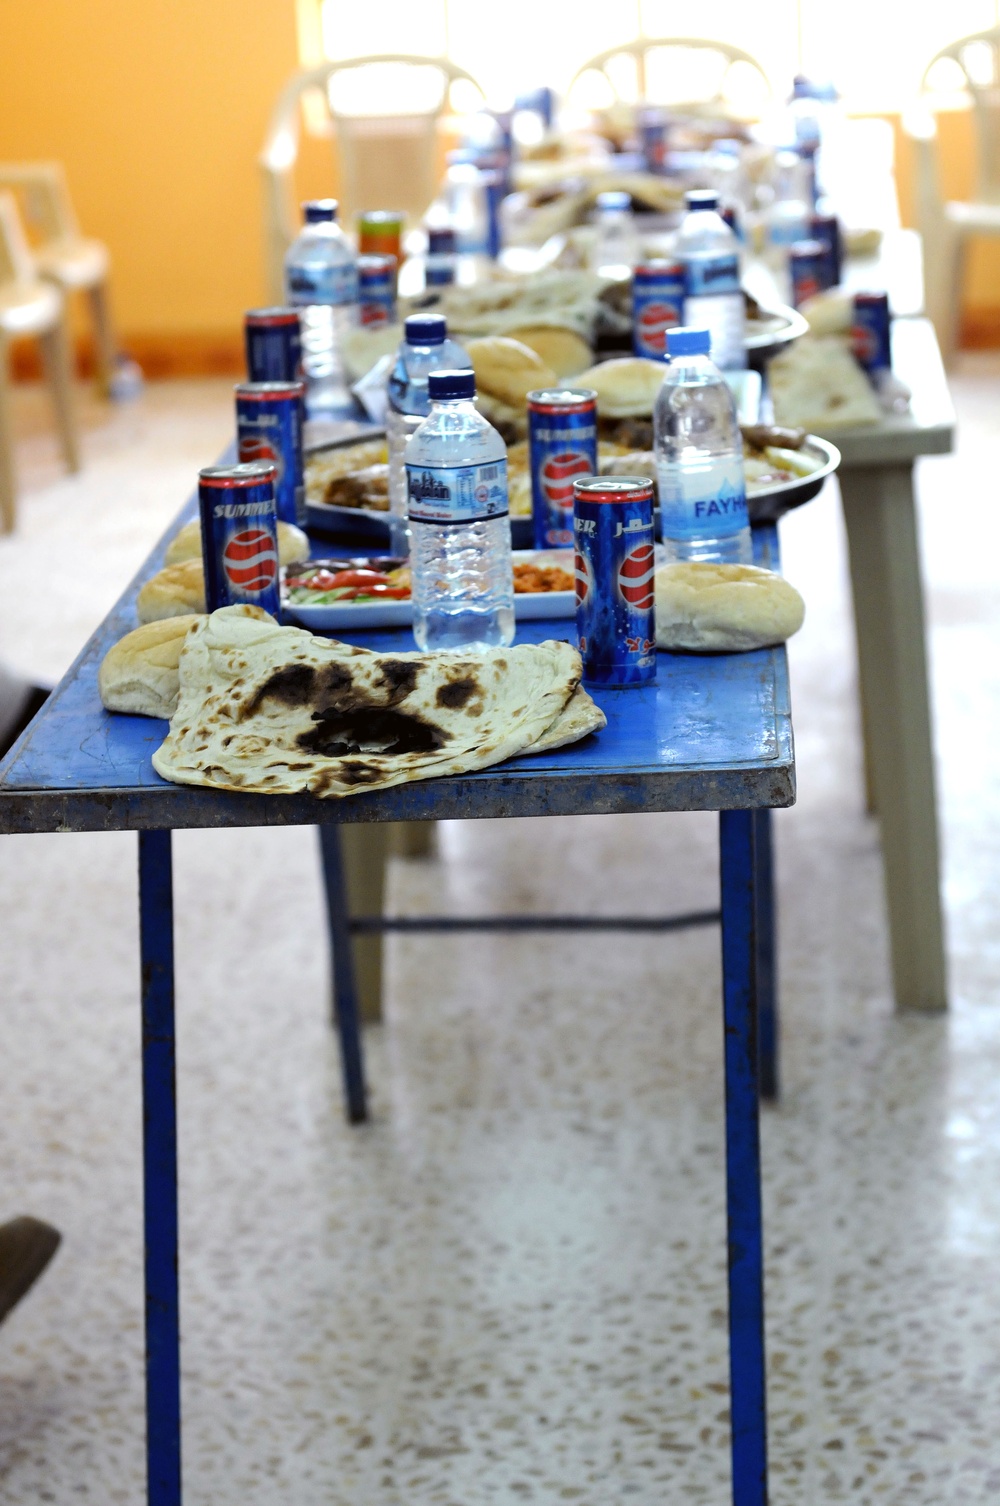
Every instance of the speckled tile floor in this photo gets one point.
(510, 1286)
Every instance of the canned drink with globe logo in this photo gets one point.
(808, 265)
(870, 332)
(273, 339)
(657, 305)
(562, 427)
(269, 427)
(376, 290)
(239, 536)
(614, 566)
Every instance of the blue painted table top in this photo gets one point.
(714, 733)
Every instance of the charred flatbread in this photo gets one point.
(277, 710)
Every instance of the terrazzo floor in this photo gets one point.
(510, 1286)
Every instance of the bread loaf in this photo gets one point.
(508, 370)
(173, 592)
(625, 388)
(139, 674)
(705, 608)
(563, 350)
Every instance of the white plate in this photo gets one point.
(535, 606)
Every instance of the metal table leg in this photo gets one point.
(767, 959)
(748, 1401)
(163, 1368)
(345, 1000)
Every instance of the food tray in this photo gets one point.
(784, 324)
(343, 616)
(360, 523)
(771, 503)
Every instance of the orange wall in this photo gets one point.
(158, 109)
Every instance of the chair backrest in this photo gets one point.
(42, 190)
(16, 261)
(661, 69)
(972, 66)
(388, 160)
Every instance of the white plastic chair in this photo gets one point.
(376, 144)
(30, 306)
(970, 66)
(644, 69)
(64, 256)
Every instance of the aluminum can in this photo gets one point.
(239, 536)
(269, 419)
(376, 290)
(562, 425)
(273, 340)
(870, 332)
(439, 267)
(826, 228)
(653, 138)
(380, 233)
(807, 267)
(657, 305)
(614, 565)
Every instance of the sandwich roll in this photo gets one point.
(139, 674)
(293, 544)
(174, 591)
(563, 350)
(508, 370)
(704, 608)
(626, 388)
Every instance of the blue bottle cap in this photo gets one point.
(320, 211)
(442, 385)
(425, 329)
(701, 198)
(688, 342)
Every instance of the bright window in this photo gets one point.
(874, 50)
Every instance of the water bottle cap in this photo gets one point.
(442, 385)
(614, 198)
(688, 342)
(425, 329)
(320, 211)
(701, 198)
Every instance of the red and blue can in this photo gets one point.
(826, 228)
(870, 339)
(273, 339)
(807, 267)
(376, 290)
(615, 563)
(657, 305)
(439, 268)
(239, 536)
(269, 419)
(562, 427)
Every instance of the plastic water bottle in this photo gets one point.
(713, 297)
(615, 251)
(699, 457)
(456, 473)
(321, 278)
(425, 347)
(789, 213)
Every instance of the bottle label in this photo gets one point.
(712, 274)
(456, 493)
(319, 284)
(703, 500)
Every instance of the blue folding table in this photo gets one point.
(714, 734)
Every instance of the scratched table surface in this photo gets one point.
(713, 733)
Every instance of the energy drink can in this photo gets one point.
(657, 305)
(870, 337)
(562, 425)
(239, 536)
(613, 532)
(807, 267)
(376, 290)
(273, 341)
(269, 427)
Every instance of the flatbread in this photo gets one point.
(817, 385)
(277, 710)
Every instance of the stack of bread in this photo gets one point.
(179, 588)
